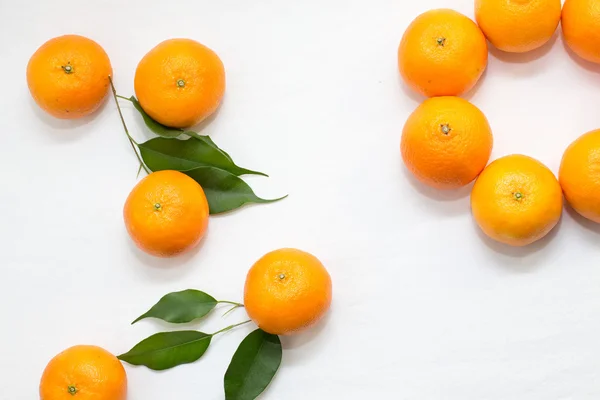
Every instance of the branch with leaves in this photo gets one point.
(195, 155)
(252, 367)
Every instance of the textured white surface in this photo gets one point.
(424, 306)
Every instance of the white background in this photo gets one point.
(424, 306)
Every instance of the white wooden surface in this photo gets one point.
(424, 306)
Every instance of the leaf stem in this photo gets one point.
(124, 98)
(131, 141)
(226, 313)
(233, 303)
(230, 327)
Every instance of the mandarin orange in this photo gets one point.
(84, 373)
(581, 28)
(68, 76)
(579, 175)
(442, 53)
(516, 200)
(180, 82)
(166, 213)
(446, 142)
(287, 291)
(518, 26)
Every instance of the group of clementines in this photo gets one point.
(447, 141)
(178, 83)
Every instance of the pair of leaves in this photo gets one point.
(168, 349)
(182, 155)
(201, 159)
(252, 367)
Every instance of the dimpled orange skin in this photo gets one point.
(180, 82)
(166, 213)
(84, 373)
(446, 142)
(518, 26)
(287, 291)
(579, 175)
(442, 53)
(516, 200)
(581, 28)
(68, 76)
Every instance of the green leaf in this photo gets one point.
(214, 144)
(253, 366)
(181, 307)
(181, 155)
(159, 129)
(168, 349)
(224, 191)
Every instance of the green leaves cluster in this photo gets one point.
(252, 367)
(196, 156)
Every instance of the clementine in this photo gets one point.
(166, 213)
(287, 290)
(446, 142)
(579, 175)
(581, 28)
(442, 53)
(68, 76)
(518, 26)
(516, 200)
(180, 82)
(84, 373)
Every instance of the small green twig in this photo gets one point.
(231, 310)
(233, 303)
(133, 142)
(139, 170)
(123, 97)
(230, 327)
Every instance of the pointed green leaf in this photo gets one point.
(181, 307)
(208, 139)
(253, 366)
(181, 155)
(168, 349)
(224, 191)
(154, 126)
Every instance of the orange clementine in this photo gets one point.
(166, 213)
(84, 373)
(442, 53)
(516, 200)
(518, 26)
(579, 175)
(68, 76)
(446, 142)
(287, 290)
(180, 82)
(581, 28)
